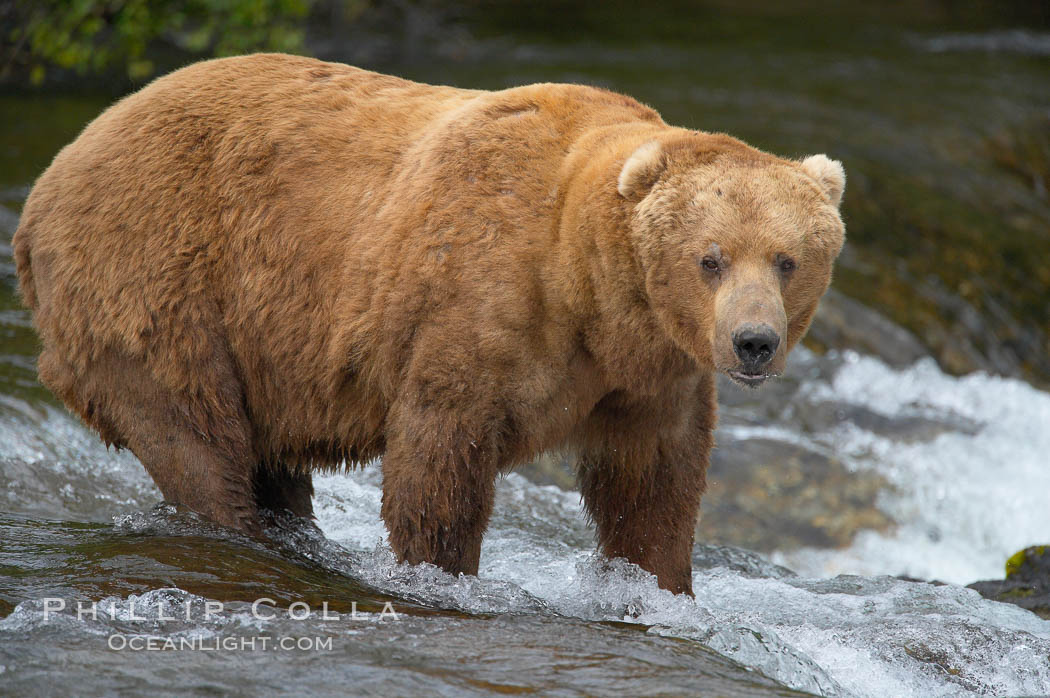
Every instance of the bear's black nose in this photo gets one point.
(755, 345)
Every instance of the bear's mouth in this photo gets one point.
(751, 380)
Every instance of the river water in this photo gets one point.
(963, 460)
(545, 614)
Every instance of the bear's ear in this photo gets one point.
(829, 175)
(641, 170)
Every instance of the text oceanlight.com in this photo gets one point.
(259, 643)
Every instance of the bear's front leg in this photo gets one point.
(438, 488)
(646, 515)
(642, 475)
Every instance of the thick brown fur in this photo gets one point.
(260, 266)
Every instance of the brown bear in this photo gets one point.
(256, 267)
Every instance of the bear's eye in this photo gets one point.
(710, 264)
(787, 265)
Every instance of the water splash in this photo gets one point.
(964, 500)
(848, 635)
(851, 635)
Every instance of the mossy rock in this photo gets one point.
(1027, 582)
(1030, 564)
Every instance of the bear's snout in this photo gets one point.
(755, 345)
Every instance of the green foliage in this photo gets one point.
(93, 36)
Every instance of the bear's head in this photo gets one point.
(736, 246)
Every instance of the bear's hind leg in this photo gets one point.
(198, 452)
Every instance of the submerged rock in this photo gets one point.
(1027, 582)
(912, 428)
(765, 495)
(550, 469)
(746, 562)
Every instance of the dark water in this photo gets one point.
(947, 237)
(418, 650)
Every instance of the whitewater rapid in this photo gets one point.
(964, 500)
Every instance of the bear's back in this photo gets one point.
(286, 213)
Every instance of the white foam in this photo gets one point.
(964, 501)
(845, 636)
